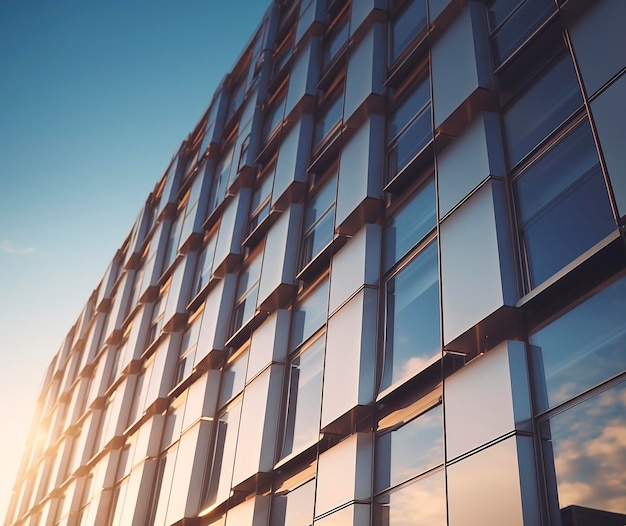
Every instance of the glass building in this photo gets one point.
(382, 282)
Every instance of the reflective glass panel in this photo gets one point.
(319, 221)
(295, 508)
(204, 266)
(551, 98)
(563, 204)
(409, 226)
(412, 337)
(327, 120)
(422, 502)
(260, 205)
(411, 142)
(309, 315)
(409, 450)
(274, 117)
(520, 26)
(233, 378)
(581, 348)
(223, 454)
(408, 109)
(305, 393)
(589, 451)
(334, 43)
(247, 292)
(319, 205)
(406, 26)
(498, 10)
(220, 179)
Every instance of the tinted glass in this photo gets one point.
(274, 117)
(398, 120)
(294, 508)
(221, 179)
(406, 26)
(561, 166)
(328, 119)
(572, 224)
(520, 26)
(563, 204)
(205, 265)
(309, 315)
(552, 98)
(322, 201)
(334, 43)
(227, 427)
(499, 10)
(581, 348)
(410, 143)
(423, 503)
(410, 450)
(249, 276)
(588, 447)
(319, 237)
(233, 378)
(412, 337)
(409, 226)
(305, 393)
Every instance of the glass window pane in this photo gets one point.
(274, 116)
(409, 226)
(223, 454)
(412, 332)
(563, 204)
(499, 10)
(581, 348)
(204, 266)
(309, 315)
(296, 507)
(410, 143)
(410, 450)
(324, 199)
(589, 452)
(305, 394)
(233, 378)
(572, 224)
(407, 110)
(319, 237)
(553, 97)
(334, 43)
(327, 120)
(520, 26)
(555, 171)
(423, 503)
(406, 26)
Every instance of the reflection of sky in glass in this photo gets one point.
(583, 347)
(413, 317)
(305, 392)
(416, 219)
(310, 315)
(589, 448)
(299, 506)
(410, 450)
(423, 503)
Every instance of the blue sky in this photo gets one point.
(95, 97)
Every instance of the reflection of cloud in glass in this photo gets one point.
(589, 445)
(417, 446)
(414, 364)
(423, 503)
(8, 248)
(583, 347)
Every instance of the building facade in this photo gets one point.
(382, 282)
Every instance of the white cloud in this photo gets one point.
(8, 248)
